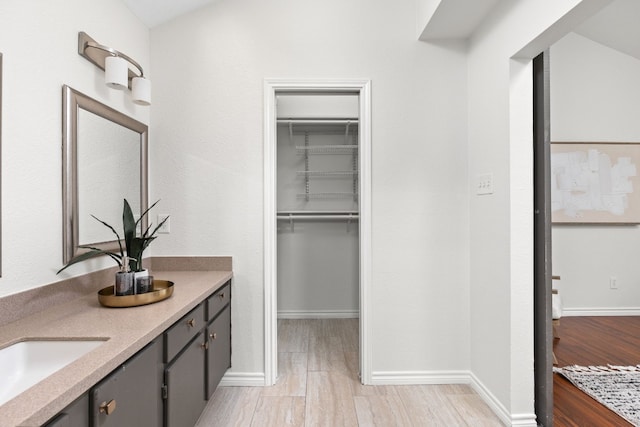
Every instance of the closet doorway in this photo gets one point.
(317, 212)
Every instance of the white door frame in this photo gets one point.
(271, 87)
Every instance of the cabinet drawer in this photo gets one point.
(178, 335)
(219, 351)
(218, 301)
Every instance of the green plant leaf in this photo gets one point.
(155, 230)
(146, 212)
(94, 252)
(135, 253)
(134, 245)
(114, 232)
(129, 225)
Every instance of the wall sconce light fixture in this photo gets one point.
(117, 73)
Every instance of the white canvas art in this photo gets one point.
(594, 183)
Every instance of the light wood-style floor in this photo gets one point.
(318, 385)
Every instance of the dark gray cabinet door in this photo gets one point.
(185, 382)
(74, 415)
(219, 351)
(132, 394)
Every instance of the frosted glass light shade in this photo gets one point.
(141, 91)
(116, 72)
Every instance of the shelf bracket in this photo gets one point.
(355, 169)
(290, 133)
(346, 132)
(306, 165)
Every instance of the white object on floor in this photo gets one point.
(556, 306)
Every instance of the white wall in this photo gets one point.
(501, 224)
(39, 40)
(595, 97)
(318, 269)
(207, 160)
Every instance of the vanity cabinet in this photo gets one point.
(168, 382)
(197, 354)
(131, 395)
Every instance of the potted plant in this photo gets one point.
(134, 244)
(129, 257)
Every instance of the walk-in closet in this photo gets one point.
(318, 228)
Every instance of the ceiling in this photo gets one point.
(156, 12)
(455, 19)
(616, 26)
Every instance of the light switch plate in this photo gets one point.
(166, 227)
(484, 184)
(136, 218)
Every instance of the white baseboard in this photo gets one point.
(523, 420)
(242, 379)
(256, 379)
(519, 420)
(490, 399)
(318, 314)
(601, 311)
(419, 377)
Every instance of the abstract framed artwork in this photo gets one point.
(595, 183)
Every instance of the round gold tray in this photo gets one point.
(162, 289)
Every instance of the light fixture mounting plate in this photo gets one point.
(96, 53)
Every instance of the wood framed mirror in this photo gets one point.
(104, 161)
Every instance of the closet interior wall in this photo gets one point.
(317, 203)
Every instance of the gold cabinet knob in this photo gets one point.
(205, 346)
(191, 322)
(221, 296)
(213, 335)
(108, 407)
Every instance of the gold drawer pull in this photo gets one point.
(204, 346)
(221, 296)
(108, 408)
(191, 322)
(213, 335)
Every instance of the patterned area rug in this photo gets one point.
(616, 387)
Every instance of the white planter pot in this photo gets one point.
(141, 286)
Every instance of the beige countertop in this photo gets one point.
(126, 331)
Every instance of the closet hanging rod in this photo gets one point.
(327, 173)
(293, 216)
(319, 121)
(290, 217)
(326, 149)
(301, 213)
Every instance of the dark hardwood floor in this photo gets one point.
(591, 341)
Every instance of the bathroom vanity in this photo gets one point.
(158, 365)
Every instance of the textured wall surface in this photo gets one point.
(40, 54)
(207, 161)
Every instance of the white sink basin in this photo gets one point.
(26, 363)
